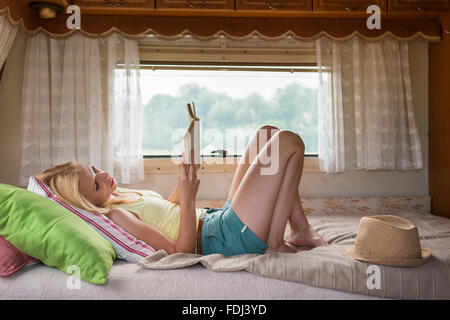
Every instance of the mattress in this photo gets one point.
(196, 282)
(128, 281)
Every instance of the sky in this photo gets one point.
(236, 84)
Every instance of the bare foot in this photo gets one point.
(308, 237)
(284, 248)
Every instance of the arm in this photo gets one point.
(149, 234)
(187, 234)
(141, 230)
(187, 186)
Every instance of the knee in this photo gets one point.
(269, 130)
(269, 127)
(291, 138)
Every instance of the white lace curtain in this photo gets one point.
(7, 34)
(36, 149)
(330, 126)
(66, 114)
(366, 116)
(125, 109)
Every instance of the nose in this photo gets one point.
(103, 175)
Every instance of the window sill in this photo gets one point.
(211, 165)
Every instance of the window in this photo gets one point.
(237, 86)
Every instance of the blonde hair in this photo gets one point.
(63, 180)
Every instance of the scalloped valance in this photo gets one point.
(232, 27)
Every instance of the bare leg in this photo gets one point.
(264, 201)
(252, 149)
(283, 205)
(302, 234)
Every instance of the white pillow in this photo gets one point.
(128, 248)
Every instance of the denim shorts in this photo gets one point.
(223, 232)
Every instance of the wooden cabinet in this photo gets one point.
(274, 5)
(115, 3)
(419, 5)
(195, 4)
(323, 8)
(439, 119)
(347, 5)
(299, 7)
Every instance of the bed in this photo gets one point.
(320, 273)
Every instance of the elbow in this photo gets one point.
(183, 249)
(172, 249)
(179, 247)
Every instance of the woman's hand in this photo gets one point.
(188, 182)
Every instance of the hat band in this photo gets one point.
(368, 254)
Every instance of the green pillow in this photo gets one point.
(47, 231)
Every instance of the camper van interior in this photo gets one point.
(321, 136)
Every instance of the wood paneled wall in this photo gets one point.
(439, 123)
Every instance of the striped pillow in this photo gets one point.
(128, 248)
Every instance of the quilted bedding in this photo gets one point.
(337, 220)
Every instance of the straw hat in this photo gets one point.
(388, 240)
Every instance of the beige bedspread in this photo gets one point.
(337, 220)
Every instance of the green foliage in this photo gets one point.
(293, 108)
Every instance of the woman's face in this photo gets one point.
(94, 184)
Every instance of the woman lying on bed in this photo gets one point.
(253, 220)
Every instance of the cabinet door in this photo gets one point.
(419, 5)
(115, 3)
(195, 4)
(347, 5)
(290, 5)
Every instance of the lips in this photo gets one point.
(112, 181)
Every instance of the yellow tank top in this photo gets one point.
(153, 209)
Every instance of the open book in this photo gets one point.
(192, 137)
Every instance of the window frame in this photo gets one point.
(236, 56)
(221, 165)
